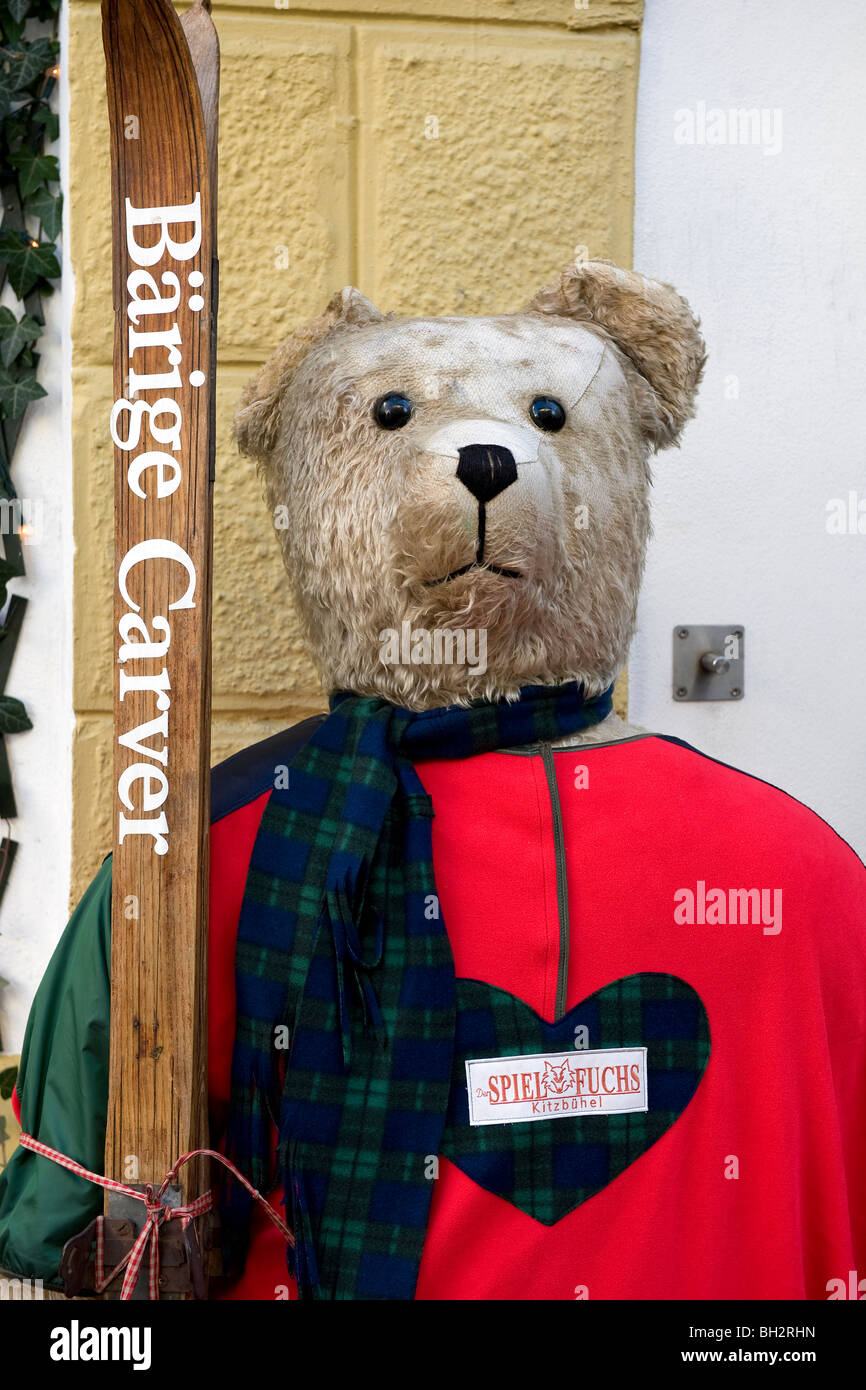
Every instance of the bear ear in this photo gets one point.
(351, 306)
(651, 323)
(257, 418)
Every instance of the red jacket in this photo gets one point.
(586, 866)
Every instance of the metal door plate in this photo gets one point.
(691, 642)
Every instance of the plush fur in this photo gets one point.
(375, 519)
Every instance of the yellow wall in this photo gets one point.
(325, 161)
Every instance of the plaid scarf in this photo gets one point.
(346, 990)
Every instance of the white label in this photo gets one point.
(508, 1090)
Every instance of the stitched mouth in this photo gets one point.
(473, 565)
(479, 563)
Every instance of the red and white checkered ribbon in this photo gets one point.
(156, 1213)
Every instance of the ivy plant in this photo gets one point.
(29, 260)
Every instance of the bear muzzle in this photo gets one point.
(487, 454)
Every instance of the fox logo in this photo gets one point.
(558, 1081)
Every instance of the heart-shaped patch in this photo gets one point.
(547, 1166)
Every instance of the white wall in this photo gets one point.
(770, 249)
(33, 912)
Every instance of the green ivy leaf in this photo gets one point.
(7, 91)
(43, 115)
(16, 333)
(13, 716)
(8, 1077)
(17, 390)
(27, 263)
(15, 128)
(18, 9)
(48, 207)
(34, 170)
(11, 31)
(29, 62)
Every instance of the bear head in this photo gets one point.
(485, 480)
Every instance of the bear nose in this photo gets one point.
(486, 469)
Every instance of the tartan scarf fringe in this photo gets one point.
(301, 1260)
(341, 918)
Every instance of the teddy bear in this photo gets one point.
(458, 1021)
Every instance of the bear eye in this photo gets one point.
(547, 413)
(393, 411)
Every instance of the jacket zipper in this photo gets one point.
(561, 881)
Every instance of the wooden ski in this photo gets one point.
(163, 169)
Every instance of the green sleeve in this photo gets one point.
(63, 1089)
